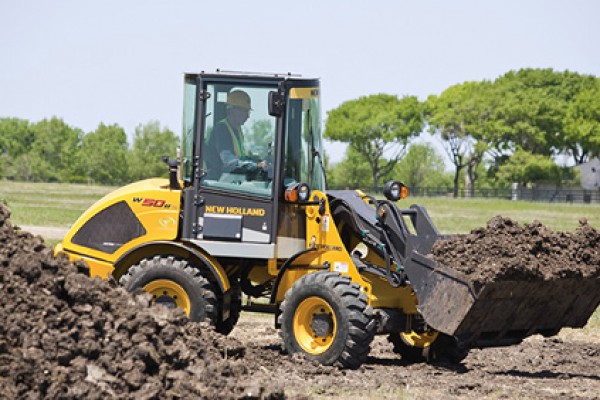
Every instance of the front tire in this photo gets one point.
(174, 283)
(326, 317)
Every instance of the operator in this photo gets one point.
(226, 151)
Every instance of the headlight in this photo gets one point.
(394, 190)
(298, 193)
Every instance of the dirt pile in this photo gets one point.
(64, 335)
(506, 250)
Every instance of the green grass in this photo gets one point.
(48, 204)
(59, 205)
(461, 215)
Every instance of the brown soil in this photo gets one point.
(505, 250)
(63, 335)
(563, 367)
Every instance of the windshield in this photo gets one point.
(239, 139)
(303, 150)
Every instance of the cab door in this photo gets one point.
(301, 162)
(237, 185)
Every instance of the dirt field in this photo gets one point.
(63, 335)
(565, 367)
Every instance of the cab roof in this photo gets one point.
(272, 76)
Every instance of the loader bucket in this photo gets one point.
(501, 312)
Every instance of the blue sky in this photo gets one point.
(123, 61)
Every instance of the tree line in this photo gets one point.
(495, 132)
(52, 151)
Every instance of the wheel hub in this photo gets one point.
(166, 301)
(321, 324)
(169, 294)
(314, 325)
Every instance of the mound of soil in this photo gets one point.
(64, 335)
(506, 250)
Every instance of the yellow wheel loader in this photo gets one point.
(335, 268)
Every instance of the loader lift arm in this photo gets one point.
(384, 229)
(496, 314)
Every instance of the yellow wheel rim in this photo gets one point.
(419, 339)
(314, 325)
(169, 293)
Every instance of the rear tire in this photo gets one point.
(446, 349)
(411, 354)
(442, 348)
(326, 317)
(235, 308)
(174, 283)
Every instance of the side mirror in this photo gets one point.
(173, 166)
(276, 104)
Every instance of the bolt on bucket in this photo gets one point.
(501, 312)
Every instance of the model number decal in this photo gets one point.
(147, 202)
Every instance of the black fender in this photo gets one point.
(188, 252)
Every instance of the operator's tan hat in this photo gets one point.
(239, 98)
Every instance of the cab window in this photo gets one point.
(239, 142)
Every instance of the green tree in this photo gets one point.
(422, 167)
(55, 152)
(352, 172)
(16, 137)
(20, 168)
(104, 155)
(460, 115)
(526, 168)
(582, 125)
(534, 105)
(378, 127)
(150, 143)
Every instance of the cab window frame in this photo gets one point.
(215, 112)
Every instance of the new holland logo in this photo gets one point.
(248, 211)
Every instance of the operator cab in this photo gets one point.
(246, 138)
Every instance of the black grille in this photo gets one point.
(110, 229)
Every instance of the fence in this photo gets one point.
(572, 195)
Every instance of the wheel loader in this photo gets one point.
(335, 268)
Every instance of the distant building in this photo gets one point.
(590, 174)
